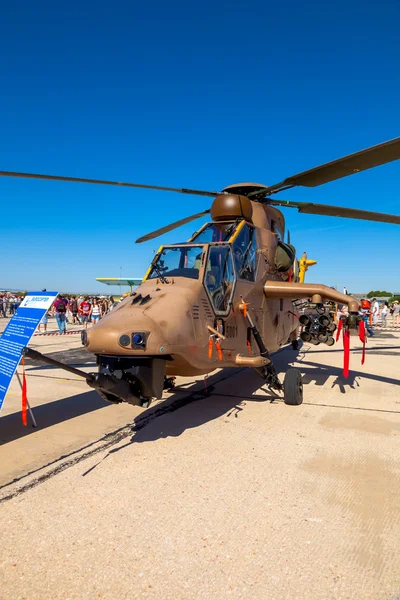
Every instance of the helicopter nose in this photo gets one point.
(162, 325)
(121, 335)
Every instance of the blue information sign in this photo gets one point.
(18, 334)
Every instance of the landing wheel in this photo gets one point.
(293, 387)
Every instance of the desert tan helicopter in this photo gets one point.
(226, 297)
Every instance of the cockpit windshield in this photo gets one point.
(215, 232)
(177, 261)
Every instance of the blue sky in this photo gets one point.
(195, 96)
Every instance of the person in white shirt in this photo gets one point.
(375, 311)
(342, 311)
(384, 312)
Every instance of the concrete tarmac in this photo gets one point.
(229, 494)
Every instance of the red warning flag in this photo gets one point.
(219, 349)
(346, 346)
(363, 339)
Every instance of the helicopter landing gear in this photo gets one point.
(293, 387)
(269, 374)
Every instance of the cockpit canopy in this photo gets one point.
(177, 261)
(215, 232)
(226, 252)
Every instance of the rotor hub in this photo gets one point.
(231, 206)
(245, 189)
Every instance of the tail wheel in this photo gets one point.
(293, 387)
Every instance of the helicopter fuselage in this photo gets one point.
(173, 312)
(223, 299)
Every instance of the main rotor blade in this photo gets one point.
(154, 234)
(338, 211)
(106, 182)
(342, 167)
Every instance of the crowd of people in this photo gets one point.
(375, 314)
(380, 311)
(9, 304)
(77, 311)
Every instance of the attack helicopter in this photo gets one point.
(227, 297)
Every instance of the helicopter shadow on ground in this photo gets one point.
(319, 374)
(64, 409)
(57, 411)
(49, 414)
(195, 408)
